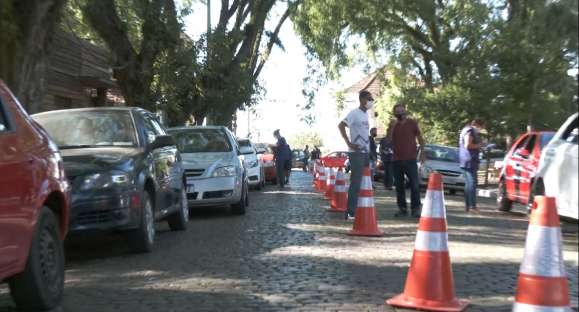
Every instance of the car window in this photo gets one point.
(546, 138)
(522, 142)
(441, 153)
(531, 143)
(3, 118)
(202, 140)
(89, 128)
(572, 132)
(152, 127)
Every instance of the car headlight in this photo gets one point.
(253, 164)
(104, 180)
(227, 171)
(427, 170)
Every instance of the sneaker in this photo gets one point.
(349, 217)
(401, 214)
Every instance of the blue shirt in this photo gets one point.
(468, 158)
(283, 152)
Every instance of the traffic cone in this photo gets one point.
(315, 173)
(330, 183)
(542, 283)
(322, 180)
(339, 200)
(365, 223)
(429, 283)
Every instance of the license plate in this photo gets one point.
(190, 188)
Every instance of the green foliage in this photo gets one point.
(310, 138)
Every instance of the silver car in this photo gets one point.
(215, 173)
(444, 160)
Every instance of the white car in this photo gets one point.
(557, 174)
(215, 173)
(444, 160)
(255, 170)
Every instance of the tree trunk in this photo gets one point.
(27, 30)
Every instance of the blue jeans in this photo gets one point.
(470, 184)
(357, 163)
(407, 168)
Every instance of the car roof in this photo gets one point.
(197, 128)
(93, 109)
(439, 145)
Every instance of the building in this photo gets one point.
(372, 83)
(79, 74)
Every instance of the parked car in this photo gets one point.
(557, 174)
(268, 163)
(519, 169)
(34, 209)
(215, 173)
(444, 160)
(255, 171)
(335, 159)
(125, 171)
(298, 160)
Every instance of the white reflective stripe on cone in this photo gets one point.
(340, 189)
(366, 184)
(431, 241)
(543, 255)
(434, 205)
(367, 202)
(523, 307)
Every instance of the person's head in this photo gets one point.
(477, 123)
(307, 147)
(399, 111)
(373, 132)
(366, 100)
(276, 134)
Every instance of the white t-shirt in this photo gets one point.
(357, 122)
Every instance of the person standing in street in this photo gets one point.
(470, 143)
(373, 154)
(358, 145)
(404, 133)
(306, 158)
(282, 157)
(386, 157)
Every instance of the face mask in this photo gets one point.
(369, 104)
(399, 116)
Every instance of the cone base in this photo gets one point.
(335, 210)
(375, 233)
(456, 305)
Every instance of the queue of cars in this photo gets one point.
(104, 169)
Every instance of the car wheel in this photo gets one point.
(41, 285)
(142, 239)
(178, 221)
(505, 204)
(239, 207)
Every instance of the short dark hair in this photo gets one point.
(276, 132)
(363, 94)
(373, 128)
(478, 122)
(399, 104)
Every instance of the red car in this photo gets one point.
(266, 157)
(519, 168)
(335, 159)
(34, 208)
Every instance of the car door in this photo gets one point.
(529, 163)
(166, 167)
(567, 169)
(513, 168)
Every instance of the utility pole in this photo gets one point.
(208, 120)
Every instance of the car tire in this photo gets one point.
(178, 221)
(142, 239)
(239, 207)
(41, 285)
(505, 204)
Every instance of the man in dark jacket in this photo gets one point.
(282, 157)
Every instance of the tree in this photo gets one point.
(310, 138)
(135, 51)
(26, 31)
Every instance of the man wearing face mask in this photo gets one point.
(359, 146)
(404, 133)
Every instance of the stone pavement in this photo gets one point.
(289, 254)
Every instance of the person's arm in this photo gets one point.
(342, 126)
(470, 142)
(421, 143)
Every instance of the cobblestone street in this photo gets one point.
(288, 254)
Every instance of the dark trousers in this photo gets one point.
(470, 177)
(407, 168)
(281, 172)
(388, 174)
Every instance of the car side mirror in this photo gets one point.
(162, 141)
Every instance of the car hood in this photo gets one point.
(84, 161)
(443, 165)
(207, 160)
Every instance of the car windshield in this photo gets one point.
(245, 147)
(75, 129)
(201, 140)
(546, 138)
(441, 153)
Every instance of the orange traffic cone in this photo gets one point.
(365, 223)
(315, 173)
(542, 284)
(322, 180)
(339, 200)
(330, 183)
(429, 283)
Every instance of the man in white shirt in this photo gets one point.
(359, 146)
